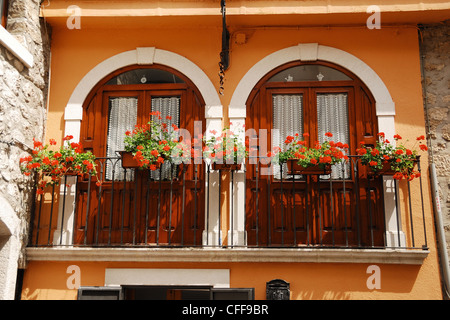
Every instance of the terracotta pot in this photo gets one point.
(294, 167)
(128, 161)
(386, 170)
(226, 166)
(67, 173)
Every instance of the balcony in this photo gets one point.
(181, 212)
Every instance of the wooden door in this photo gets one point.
(134, 206)
(172, 205)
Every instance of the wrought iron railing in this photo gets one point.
(190, 205)
(347, 208)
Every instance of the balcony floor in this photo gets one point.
(256, 255)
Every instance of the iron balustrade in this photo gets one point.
(175, 206)
(350, 193)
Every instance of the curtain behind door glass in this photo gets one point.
(287, 120)
(332, 116)
(169, 108)
(122, 117)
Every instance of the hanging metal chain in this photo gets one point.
(221, 78)
(224, 55)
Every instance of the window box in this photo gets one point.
(128, 160)
(387, 170)
(294, 167)
(227, 166)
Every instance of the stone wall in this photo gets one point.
(23, 94)
(435, 50)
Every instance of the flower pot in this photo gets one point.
(385, 171)
(67, 173)
(226, 166)
(295, 168)
(128, 161)
(71, 173)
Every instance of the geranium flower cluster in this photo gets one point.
(154, 143)
(400, 159)
(225, 147)
(321, 154)
(51, 165)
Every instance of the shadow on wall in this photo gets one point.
(360, 282)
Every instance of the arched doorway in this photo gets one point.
(340, 209)
(135, 206)
(74, 111)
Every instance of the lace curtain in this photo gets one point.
(332, 116)
(169, 107)
(287, 120)
(122, 117)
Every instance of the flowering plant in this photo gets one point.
(224, 148)
(154, 143)
(400, 158)
(321, 154)
(68, 159)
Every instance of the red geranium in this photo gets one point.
(325, 153)
(154, 141)
(402, 160)
(52, 165)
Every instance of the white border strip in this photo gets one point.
(312, 52)
(14, 46)
(218, 278)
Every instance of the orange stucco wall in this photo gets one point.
(48, 280)
(391, 51)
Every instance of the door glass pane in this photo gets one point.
(311, 72)
(169, 109)
(287, 121)
(144, 76)
(332, 116)
(122, 117)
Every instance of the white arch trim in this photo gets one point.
(385, 110)
(10, 246)
(144, 56)
(73, 112)
(312, 52)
